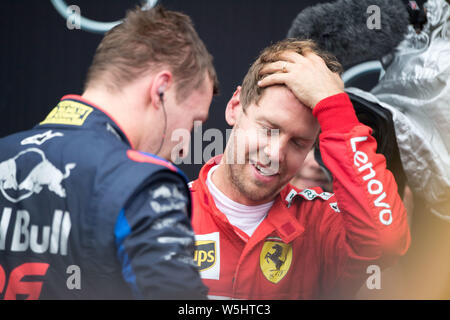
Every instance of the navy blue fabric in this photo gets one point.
(72, 199)
(121, 231)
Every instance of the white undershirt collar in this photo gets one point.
(246, 218)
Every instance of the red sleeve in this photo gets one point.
(371, 227)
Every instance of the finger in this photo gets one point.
(273, 79)
(291, 56)
(315, 60)
(286, 60)
(311, 55)
(273, 67)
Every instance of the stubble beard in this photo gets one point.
(248, 187)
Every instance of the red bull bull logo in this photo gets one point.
(43, 174)
(39, 239)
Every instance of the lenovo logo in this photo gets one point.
(374, 186)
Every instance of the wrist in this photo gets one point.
(324, 96)
(336, 113)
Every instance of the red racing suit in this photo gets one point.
(312, 244)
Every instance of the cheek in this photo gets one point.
(181, 123)
(294, 161)
(245, 138)
(255, 141)
(178, 131)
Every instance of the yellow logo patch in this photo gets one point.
(205, 254)
(275, 259)
(68, 112)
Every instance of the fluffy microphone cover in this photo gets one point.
(341, 27)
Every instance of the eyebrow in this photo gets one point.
(276, 126)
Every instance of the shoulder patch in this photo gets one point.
(68, 112)
(335, 207)
(148, 158)
(167, 198)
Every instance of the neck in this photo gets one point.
(122, 109)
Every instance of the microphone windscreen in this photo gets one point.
(346, 28)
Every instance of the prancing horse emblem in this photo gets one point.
(275, 259)
(275, 256)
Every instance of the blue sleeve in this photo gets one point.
(155, 242)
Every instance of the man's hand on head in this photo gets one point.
(307, 76)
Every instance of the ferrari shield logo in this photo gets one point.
(275, 259)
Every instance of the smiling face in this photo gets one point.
(273, 136)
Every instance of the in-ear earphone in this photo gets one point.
(161, 97)
(161, 91)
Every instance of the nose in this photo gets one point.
(275, 149)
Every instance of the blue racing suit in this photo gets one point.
(85, 216)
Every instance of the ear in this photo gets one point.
(234, 107)
(162, 82)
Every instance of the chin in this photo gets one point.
(259, 198)
(257, 192)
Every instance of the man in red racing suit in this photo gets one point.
(309, 244)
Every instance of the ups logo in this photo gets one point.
(205, 254)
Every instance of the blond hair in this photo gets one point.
(251, 92)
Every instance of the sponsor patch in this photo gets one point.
(166, 198)
(41, 138)
(207, 255)
(275, 259)
(43, 174)
(291, 195)
(308, 194)
(68, 112)
(335, 207)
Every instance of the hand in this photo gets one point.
(308, 77)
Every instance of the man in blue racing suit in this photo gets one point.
(89, 207)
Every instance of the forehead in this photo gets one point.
(279, 106)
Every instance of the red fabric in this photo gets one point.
(330, 250)
(336, 113)
(141, 157)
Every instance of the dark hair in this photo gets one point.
(149, 40)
